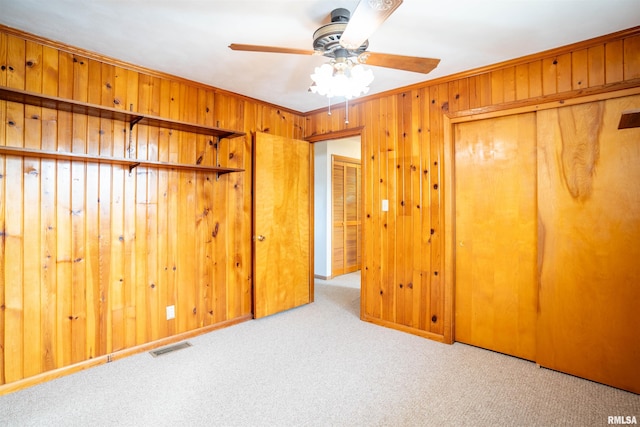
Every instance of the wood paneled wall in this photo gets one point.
(91, 254)
(403, 161)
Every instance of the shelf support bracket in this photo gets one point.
(134, 122)
(217, 148)
(133, 166)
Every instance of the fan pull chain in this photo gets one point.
(346, 111)
(329, 106)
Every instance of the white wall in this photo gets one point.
(347, 147)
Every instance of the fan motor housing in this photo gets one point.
(326, 39)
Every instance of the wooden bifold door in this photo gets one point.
(547, 228)
(346, 215)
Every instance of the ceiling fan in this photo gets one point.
(345, 38)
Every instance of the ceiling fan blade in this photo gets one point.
(399, 62)
(367, 17)
(269, 49)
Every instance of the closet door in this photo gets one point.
(589, 202)
(495, 223)
(346, 183)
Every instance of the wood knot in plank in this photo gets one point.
(580, 149)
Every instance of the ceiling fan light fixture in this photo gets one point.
(341, 78)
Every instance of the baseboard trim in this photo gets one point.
(121, 354)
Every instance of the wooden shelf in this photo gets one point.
(131, 163)
(77, 107)
(71, 106)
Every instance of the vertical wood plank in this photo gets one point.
(614, 61)
(97, 207)
(125, 93)
(454, 96)
(79, 217)
(164, 231)
(391, 143)
(425, 203)
(372, 189)
(16, 64)
(404, 252)
(416, 231)
(580, 69)
(509, 85)
(497, 88)
(564, 73)
(141, 193)
(63, 217)
(204, 189)
(48, 202)
(14, 311)
(31, 199)
(172, 216)
(437, 293)
(631, 49)
(154, 312)
(522, 81)
(3, 110)
(535, 79)
(463, 94)
(474, 97)
(596, 64)
(549, 76)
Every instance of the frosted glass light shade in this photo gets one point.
(346, 79)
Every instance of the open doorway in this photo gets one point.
(347, 151)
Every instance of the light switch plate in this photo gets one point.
(171, 312)
(385, 206)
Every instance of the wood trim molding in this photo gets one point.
(344, 159)
(344, 133)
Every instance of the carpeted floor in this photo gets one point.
(318, 365)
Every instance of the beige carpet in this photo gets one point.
(318, 365)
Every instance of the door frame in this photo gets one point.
(340, 134)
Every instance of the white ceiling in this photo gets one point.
(190, 38)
